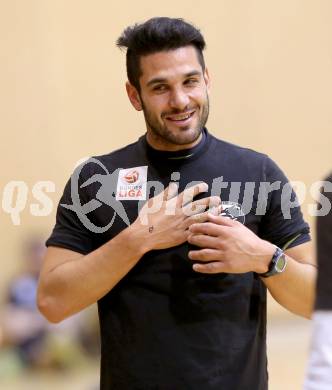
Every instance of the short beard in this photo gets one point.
(162, 132)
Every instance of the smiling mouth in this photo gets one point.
(180, 117)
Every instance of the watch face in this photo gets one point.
(281, 263)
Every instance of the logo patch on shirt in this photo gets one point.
(132, 183)
(233, 210)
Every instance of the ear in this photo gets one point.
(207, 79)
(134, 97)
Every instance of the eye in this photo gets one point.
(160, 88)
(191, 81)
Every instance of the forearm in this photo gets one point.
(69, 282)
(75, 284)
(295, 287)
(228, 246)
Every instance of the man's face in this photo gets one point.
(174, 97)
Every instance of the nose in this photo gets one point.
(179, 99)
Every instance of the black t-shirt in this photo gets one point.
(164, 326)
(324, 249)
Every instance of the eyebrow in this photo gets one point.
(163, 80)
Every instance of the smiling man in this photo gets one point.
(173, 95)
(181, 288)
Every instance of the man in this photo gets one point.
(181, 291)
(319, 375)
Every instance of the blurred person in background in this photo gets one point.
(319, 372)
(23, 327)
(181, 290)
(26, 334)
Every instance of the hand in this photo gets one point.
(165, 218)
(228, 246)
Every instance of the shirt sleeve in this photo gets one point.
(324, 250)
(69, 232)
(282, 223)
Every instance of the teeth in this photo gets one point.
(180, 118)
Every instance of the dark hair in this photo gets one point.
(157, 34)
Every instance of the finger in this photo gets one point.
(200, 205)
(220, 220)
(200, 217)
(188, 194)
(206, 254)
(171, 191)
(203, 217)
(209, 268)
(215, 210)
(196, 218)
(208, 228)
(204, 241)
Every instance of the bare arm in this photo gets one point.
(229, 246)
(295, 287)
(69, 281)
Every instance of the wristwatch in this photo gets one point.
(277, 265)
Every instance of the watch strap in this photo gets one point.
(273, 269)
